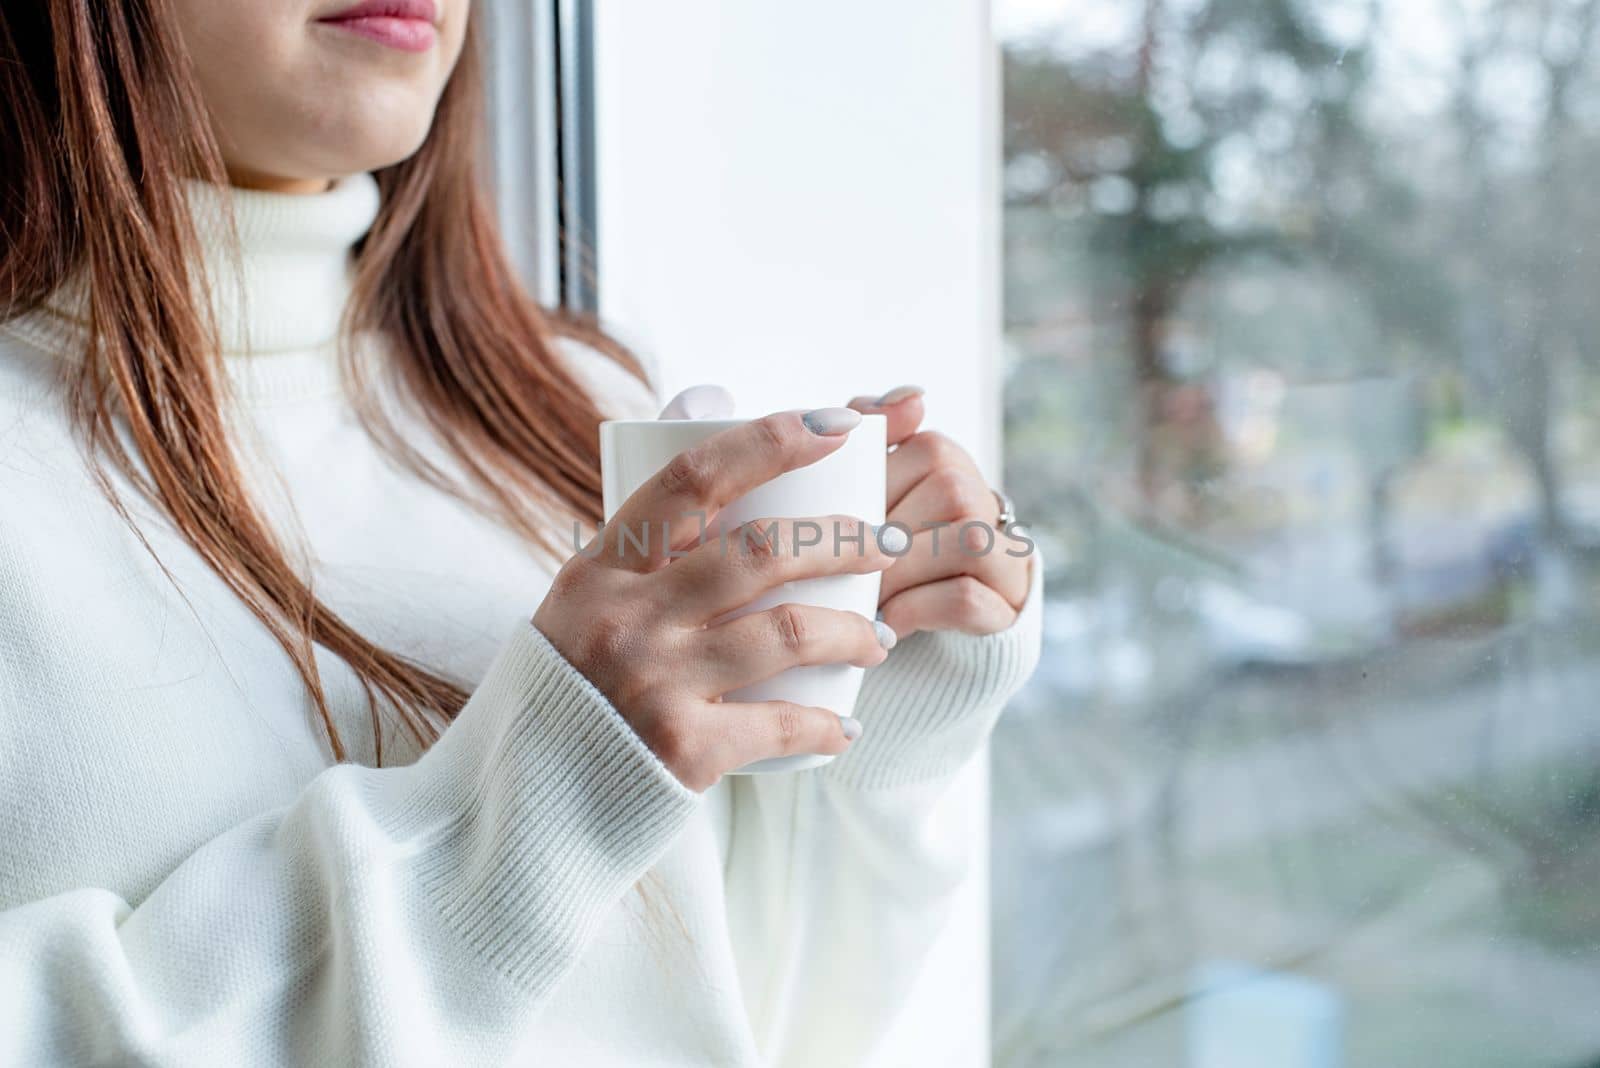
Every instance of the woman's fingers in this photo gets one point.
(903, 406)
(728, 572)
(944, 495)
(700, 481)
(920, 455)
(757, 730)
(970, 547)
(962, 603)
(759, 645)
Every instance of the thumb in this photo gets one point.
(700, 402)
(903, 406)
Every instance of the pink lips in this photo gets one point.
(408, 25)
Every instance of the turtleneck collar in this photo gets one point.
(281, 290)
(288, 288)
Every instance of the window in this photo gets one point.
(1303, 401)
(541, 100)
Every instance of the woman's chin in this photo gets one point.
(315, 170)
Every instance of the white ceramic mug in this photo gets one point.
(851, 481)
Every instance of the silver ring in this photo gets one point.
(1008, 510)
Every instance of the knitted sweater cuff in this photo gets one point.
(931, 705)
(537, 808)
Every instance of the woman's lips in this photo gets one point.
(407, 25)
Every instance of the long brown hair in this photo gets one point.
(101, 126)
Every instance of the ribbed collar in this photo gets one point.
(278, 295)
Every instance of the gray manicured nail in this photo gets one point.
(830, 422)
(892, 539)
(898, 394)
(852, 727)
(885, 633)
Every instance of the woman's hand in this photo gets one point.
(962, 571)
(636, 621)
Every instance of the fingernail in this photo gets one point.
(898, 394)
(830, 422)
(893, 539)
(852, 727)
(885, 633)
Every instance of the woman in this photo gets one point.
(312, 749)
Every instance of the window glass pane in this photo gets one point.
(1303, 404)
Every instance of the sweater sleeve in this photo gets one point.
(842, 879)
(401, 916)
(931, 705)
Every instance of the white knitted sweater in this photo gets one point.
(187, 879)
